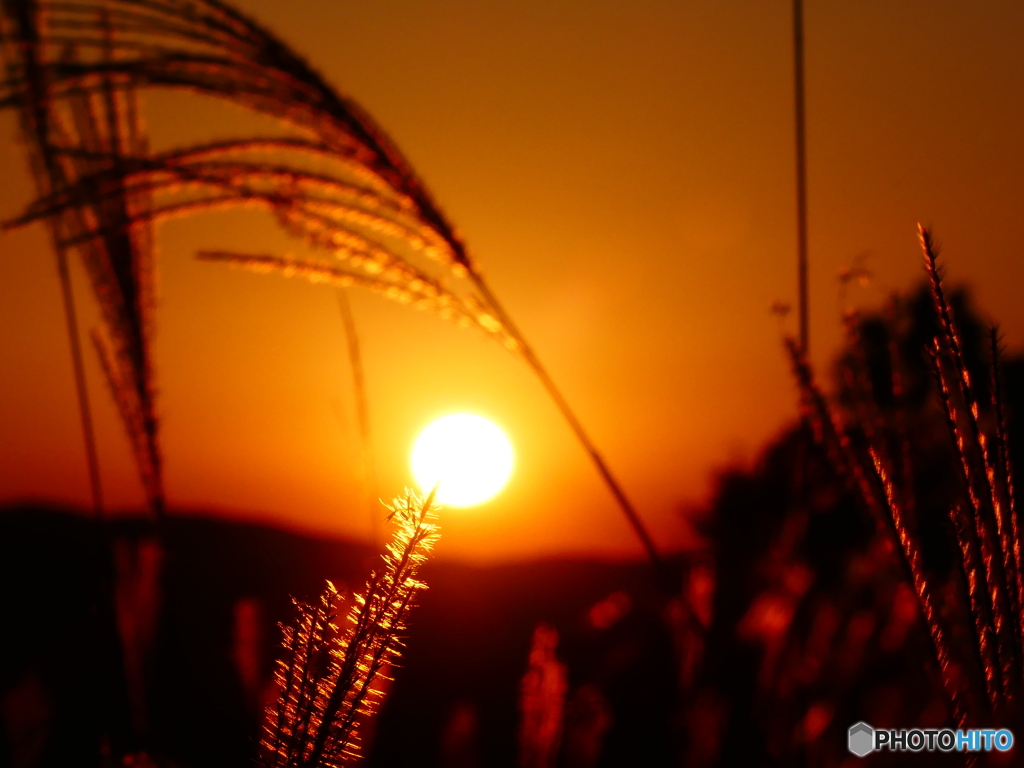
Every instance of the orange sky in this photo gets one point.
(624, 175)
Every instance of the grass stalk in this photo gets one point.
(327, 675)
(985, 521)
(355, 359)
(987, 505)
(1003, 456)
(92, 460)
(625, 505)
(979, 538)
(922, 588)
(878, 493)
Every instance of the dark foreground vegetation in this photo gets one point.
(209, 652)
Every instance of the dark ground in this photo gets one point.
(223, 588)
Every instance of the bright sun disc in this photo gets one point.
(468, 455)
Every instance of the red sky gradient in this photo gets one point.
(624, 175)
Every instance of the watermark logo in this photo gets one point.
(862, 740)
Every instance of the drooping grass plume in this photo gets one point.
(79, 139)
(336, 181)
(423, 292)
(329, 667)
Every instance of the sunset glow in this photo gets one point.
(623, 175)
(468, 457)
(291, 290)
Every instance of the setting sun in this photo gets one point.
(469, 456)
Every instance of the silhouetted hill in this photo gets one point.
(220, 592)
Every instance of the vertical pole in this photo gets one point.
(801, 247)
(801, 170)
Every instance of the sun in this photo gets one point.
(466, 456)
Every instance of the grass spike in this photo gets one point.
(329, 668)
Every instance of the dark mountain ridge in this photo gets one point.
(198, 612)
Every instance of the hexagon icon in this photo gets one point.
(862, 739)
